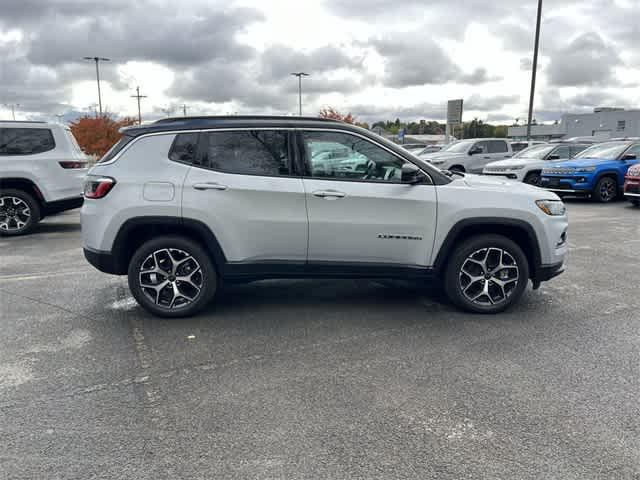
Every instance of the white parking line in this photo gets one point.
(36, 276)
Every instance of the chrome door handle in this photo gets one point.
(328, 194)
(209, 186)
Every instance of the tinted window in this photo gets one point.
(483, 146)
(561, 152)
(348, 157)
(117, 148)
(251, 152)
(497, 146)
(575, 149)
(25, 141)
(184, 148)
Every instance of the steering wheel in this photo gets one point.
(370, 171)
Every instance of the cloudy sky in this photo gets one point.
(378, 59)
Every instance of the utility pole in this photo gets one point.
(184, 109)
(534, 71)
(98, 60)
(168, 111)
(138, 96)
(300, 75)
(13, 107)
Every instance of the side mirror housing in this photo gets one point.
(630, 156)
(553, 157)
(411, 174)
(475, 150)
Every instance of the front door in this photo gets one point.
(359, 211)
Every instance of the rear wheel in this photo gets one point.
(486, 274)
(606, 190)
(635, 202)
(172, 277)
(533, 178)
(19, 212)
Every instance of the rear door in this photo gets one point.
(244, 188)
(359, 210)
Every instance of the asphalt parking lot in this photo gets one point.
(321, 379)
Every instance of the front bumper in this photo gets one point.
(632, 187)
(575, 185)
(511, 175)
(547, 272)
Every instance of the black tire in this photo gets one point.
(606, 190)
(30, 215)
(510, 293)
(635, 202)
(155, 301)
(533, 178)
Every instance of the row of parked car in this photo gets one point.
(573, 167)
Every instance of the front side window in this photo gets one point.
(25, 141)
(341, 156)
(481, 147)
(497, 146)
(576, 149)
(250, 152)
(184, 148)
(635, 150)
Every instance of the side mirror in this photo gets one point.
(630, 156)
(411, 174)
(553, 157)
(475, 150)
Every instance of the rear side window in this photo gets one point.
(184, 148)
(117, 148)
(25, 141)
(497, 146)
(251, 152)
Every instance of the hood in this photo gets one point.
(586, 162)
(485, 182)
(441, 156)
(511, 161)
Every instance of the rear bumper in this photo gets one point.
(103, 261)
(51, 208)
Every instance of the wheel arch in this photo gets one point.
(519, 231)
(135, 231)
(26, 184)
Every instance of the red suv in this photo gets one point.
(632, 185)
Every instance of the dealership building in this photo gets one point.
(603, 123)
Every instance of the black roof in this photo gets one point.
(193, 123)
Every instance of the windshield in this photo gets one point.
(537, 151)
(603, 150)
(459, 147)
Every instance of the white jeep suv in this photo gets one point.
(42, 171)
(470, 155)
(527, 165)
(183, 204)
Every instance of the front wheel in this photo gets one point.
(533, 178)
(635, 202)
(486, 274)
(172, 277)
(606, 190)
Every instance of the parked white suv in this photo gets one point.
(526, 165)
(42, 171)
(183, 204)
(470, 155)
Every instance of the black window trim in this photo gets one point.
(307, 167)
(173, 143)
(53, 141)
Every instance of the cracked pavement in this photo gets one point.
(322, 379)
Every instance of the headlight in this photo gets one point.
(552, 207)
(585, 169)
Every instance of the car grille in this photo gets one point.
(558, 171)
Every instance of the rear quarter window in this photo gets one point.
(497, 146)
(25, 141)
(184, 148)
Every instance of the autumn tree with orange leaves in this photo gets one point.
(96, 135)
(333, 114)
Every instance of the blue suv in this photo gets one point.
(597, 171)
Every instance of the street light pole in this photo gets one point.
(97, 60)
(138, 96)
(534, 70)
(300, 75)
(13, 107)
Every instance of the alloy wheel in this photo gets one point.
(488, 276)
(15, 214)
(607, 190)
(171, 278)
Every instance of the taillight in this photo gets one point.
(98, 187)
(73, 164)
